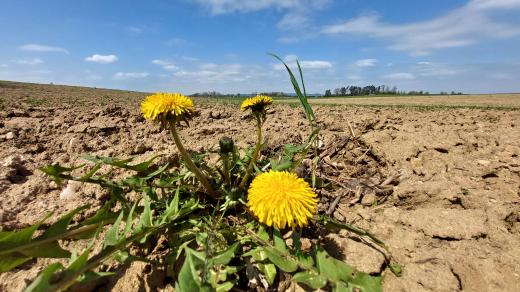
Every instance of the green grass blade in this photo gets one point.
(303, 98)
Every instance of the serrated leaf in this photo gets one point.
(134, 181)
(262, 233)
(189, 280)
(77, 262)
(284, 263)
(102, 214)
(42, 282)
(224, 257)
(269, 272)
(279, 243)
(145, 220)
(281, 165)
(366, 283)
(129, 220)
(61, 225)
(47, 250)
(15, 240)
(11, 239)
(11, 261)
(226, 286)
(313, 280)
(122, 163)
(91, 276)
(54, 171)
(89, 174)
(112, 236)
(172, 209)
(157, 172)
(143, 166)
(335, 270)
(118, 194)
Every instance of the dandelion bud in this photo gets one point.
(226, 145)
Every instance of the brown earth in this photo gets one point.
(504, 101)
(452, 218)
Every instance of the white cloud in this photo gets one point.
(4, 65)
(135, 29)
(230, 6)
(354, 77)
(33, 61)
(399, 76)
(294, 20)
(297, 17)
(365, 63)
(190, 59)
(434, 69)
(460, 27)
(290, 60)
(176, 42)
(130, 75)
(210, 72)
(42, 48)
(102, 59)
(166, 65)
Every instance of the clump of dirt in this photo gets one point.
(441, 188)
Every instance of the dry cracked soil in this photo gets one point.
(451, 218)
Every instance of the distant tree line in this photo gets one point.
(215, 94)
(353, 90)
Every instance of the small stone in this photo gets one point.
(369, 199)
(13, 161)
(306, 243)
(483, 162)
(10, 136)
(140, 149)
(70, 191)
(53, 185)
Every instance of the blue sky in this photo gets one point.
(200, 45)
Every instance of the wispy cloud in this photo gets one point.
(42, 48)
(33, 61)
(464, 26)
(297, 16)
(135, 29)
(172, 42)
(365, 63)
(190, 59)
(166, 65)
(434, 69)
(290, 60)
(230, 6)
(130, 75)
(102, 59)
(399, 76)
(211, 72)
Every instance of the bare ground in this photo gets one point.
(452, 218)
(504, 101)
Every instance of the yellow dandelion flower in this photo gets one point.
(164, 106)
(280, 198)
(256, 103)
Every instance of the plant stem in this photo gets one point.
(255, 154)
(225, 162)
(189, 163)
